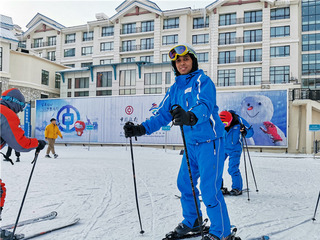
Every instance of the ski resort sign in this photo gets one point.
(314, 127)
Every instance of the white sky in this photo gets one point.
(73, 13)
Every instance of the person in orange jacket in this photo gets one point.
(12, 102)
(51, 134)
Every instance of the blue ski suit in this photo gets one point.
(233, 148)
(196, 92)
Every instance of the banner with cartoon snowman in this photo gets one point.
(265, 111)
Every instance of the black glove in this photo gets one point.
(131, 130)
(181, 117)
(41, 145)
(243, 130)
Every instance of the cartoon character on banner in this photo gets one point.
(80, 126)
(258, 111)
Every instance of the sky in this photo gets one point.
(73, 13)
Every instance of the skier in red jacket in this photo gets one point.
(12, 102)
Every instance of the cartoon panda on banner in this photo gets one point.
(258, 111)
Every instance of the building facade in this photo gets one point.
(243, 45)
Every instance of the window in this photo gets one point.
(52, 41)
(22, 44)
(146, 43)
(283, 51)
(128, 46)
(227, 38)
(69, 83)
(200, 39)
(280, 13)
(199, 22)
(168, 77)
(45, 77)
(311, 42)
(146, 58)
(70, 38)
(44, 95)
(106, 61)
(253, 16)
(87, 64)
(127, 78)
(104, 79)
(280, 31)
(171, 23)
(0, 58)
(104, 93)
(128, 59)
(157, 90)
(81, 94)
(57, 81)
(311, 83)
(227, 19)
(69, 94)
(87, 36)
(70, 65)
(128, 28)
(226, 77)
(170, 40)
(87, 51)
(165, 58)
(51, 56)
(252, 36)
(310, 15)
(203, 57)
(311, 64)
(280, 74)
(153, 78)
(82, 82)
(252, 76)
(252, 55)
(106, 46)
(107, 31)
(227, 57)
(38, 42)
(127, 91)
(147, 26)
(69, 52)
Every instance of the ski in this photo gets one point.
(22, 237)
(46, 217)
(243, 191)
(189, 235)
(260, 238)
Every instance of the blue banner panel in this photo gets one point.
(27, 120)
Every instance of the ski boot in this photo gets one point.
(235, 192)
(6, 235)
(183, 229)
(225, 191)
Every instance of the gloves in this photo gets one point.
(243, 130)
(41, 145)
(181, 117)
(131, 130)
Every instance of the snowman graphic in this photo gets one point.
(258, 111)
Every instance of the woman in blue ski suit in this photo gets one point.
(196, 94)
(235, 129)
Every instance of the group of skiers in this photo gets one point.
(210, 139)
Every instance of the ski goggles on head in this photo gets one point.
(12, 99)
(226, 124)
(179, 50)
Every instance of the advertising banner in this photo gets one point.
(266, 111)
(27, 120)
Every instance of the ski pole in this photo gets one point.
(135, 184)
(254, 178)
(25, 193)
(315, 211)
(245, 168)
(192, 185)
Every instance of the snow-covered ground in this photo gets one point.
(97, 186)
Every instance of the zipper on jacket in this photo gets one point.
(214, 147)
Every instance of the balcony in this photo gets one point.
(70, 41)
(240, 59)
(298, 93)
(136, 30)
(136, 47)
(43, 44)
(243, 20)
(50, 58)
(87, 39)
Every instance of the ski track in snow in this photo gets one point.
(97, 186)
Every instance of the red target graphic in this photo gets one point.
(129, 110)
